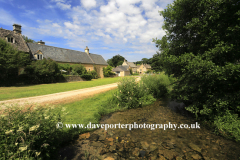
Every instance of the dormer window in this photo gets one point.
(11, 39)
(39, 56)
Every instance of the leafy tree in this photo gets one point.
(43, 71)
(201, 49)
(11, 60)
(157, 59)
(28, 40)
(116, 61)
(144, 61)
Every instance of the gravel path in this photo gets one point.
(61, 97)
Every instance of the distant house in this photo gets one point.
(143, 68)
(38, 51)
(122, 71)
(131, 64)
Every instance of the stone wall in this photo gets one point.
(72, 78)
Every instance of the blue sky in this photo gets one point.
(107, 27)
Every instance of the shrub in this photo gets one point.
(228, 125)
(66, 67)
(32, 134)
(88, 77)
(107, 71)
(80, 69)
(132, 94)
(42, 71)
(94, 74)
(159, 85)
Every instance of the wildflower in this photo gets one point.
(120, 91)
(16, 144)
(128, 92)
(37, 153)
(8, 132)
(63, 109)
(47, 117)
(23, 148)
(33, 128)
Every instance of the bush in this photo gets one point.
(228, 125)
(66, 67)
(80, 69)
(42, 71)
(88, 77)
(107, 71)
(94, 74)
(158, 85)
(32, 134)
(132, 94)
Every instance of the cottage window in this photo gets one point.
(39, 56)
(10, 39)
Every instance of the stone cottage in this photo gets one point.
(122, 71)
(131, 64)
(38, 51)
(143, 68)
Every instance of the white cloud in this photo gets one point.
(115, 23)
(88, 3)
(63, 6)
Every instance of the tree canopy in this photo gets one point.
(11, 60)
(116, 61)
(28, 40)
(201, 49)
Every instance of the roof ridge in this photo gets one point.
(56, 47)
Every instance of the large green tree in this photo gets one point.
(116, 60)
(202, 51)
(11, 60)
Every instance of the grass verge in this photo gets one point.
(43, 89)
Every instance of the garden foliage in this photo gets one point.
(11, 60)
(201, 49)
(88, 77)
(32, 133)
(159, 85)
(44, 71)
(107, 71)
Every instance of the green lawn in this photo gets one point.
(43, 89)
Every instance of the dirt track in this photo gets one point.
(62, 97)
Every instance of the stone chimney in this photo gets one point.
(17, 28)
(41, 42)
(87, 50)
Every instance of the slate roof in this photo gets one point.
(20, 44)
(120, 68)
(66, 55)
(131, 64)
(98, 59)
